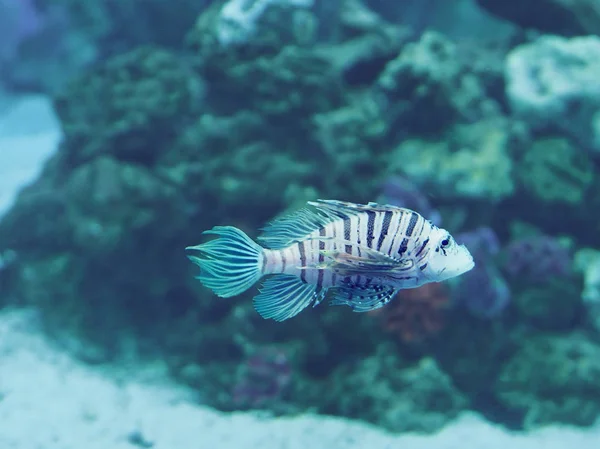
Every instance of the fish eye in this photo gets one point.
(446, 242)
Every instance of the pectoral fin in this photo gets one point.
(370, 263)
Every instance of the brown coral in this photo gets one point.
(415, 313)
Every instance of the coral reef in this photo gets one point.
(428, 76)
(552, 78)
(237, 19)
(553, 379)
(129, 107)
(554, 170)
(469, 161)
(417, 397)
(566, 17)
(537, 259)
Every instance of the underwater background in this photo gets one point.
(128, 127)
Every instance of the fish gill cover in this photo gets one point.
(235, 112)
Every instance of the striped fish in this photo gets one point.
(352, 254)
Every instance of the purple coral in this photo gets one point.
(482, 242)
(482, 291)
(263, 378)
(401, 192)
(537, 259)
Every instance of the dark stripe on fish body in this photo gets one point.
(283, 261)
(321, 258)
(320, 279)
(370, 228)
(412, 223)
(322, 233)
(422, 267)
(302, 252)
(403, 247)
(389, 240)
(423, 245)
(347, 225)
(332, 275)
(358, 234)
(387, 219)
(397, 231)
(423, 222)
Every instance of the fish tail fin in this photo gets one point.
(230, 264)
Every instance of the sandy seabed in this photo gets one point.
(48, 400)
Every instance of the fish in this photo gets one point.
(357, 255)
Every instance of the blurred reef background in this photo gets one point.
(483, 115)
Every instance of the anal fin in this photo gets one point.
(363, 299)
(283, 296)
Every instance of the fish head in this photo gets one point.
(446, 258)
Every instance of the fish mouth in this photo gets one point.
(469, 265)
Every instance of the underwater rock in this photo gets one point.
(553, 170)
(553, 379)
(85, 225)
(552, 78)
(294, 83)
(428, 87)
(400, 397)
(130, 107)
(237, 19)
(351, 139)
(555, 305)
(360, 59)
(469, 161)
(231, 169)
(567, 17)
(274, 72)
(117, 27)
(278, 25)
(462, 20)
(587, 262)
(472, 351)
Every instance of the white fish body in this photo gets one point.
(360, 255)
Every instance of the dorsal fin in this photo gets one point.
(347, 207)
(296, 226)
